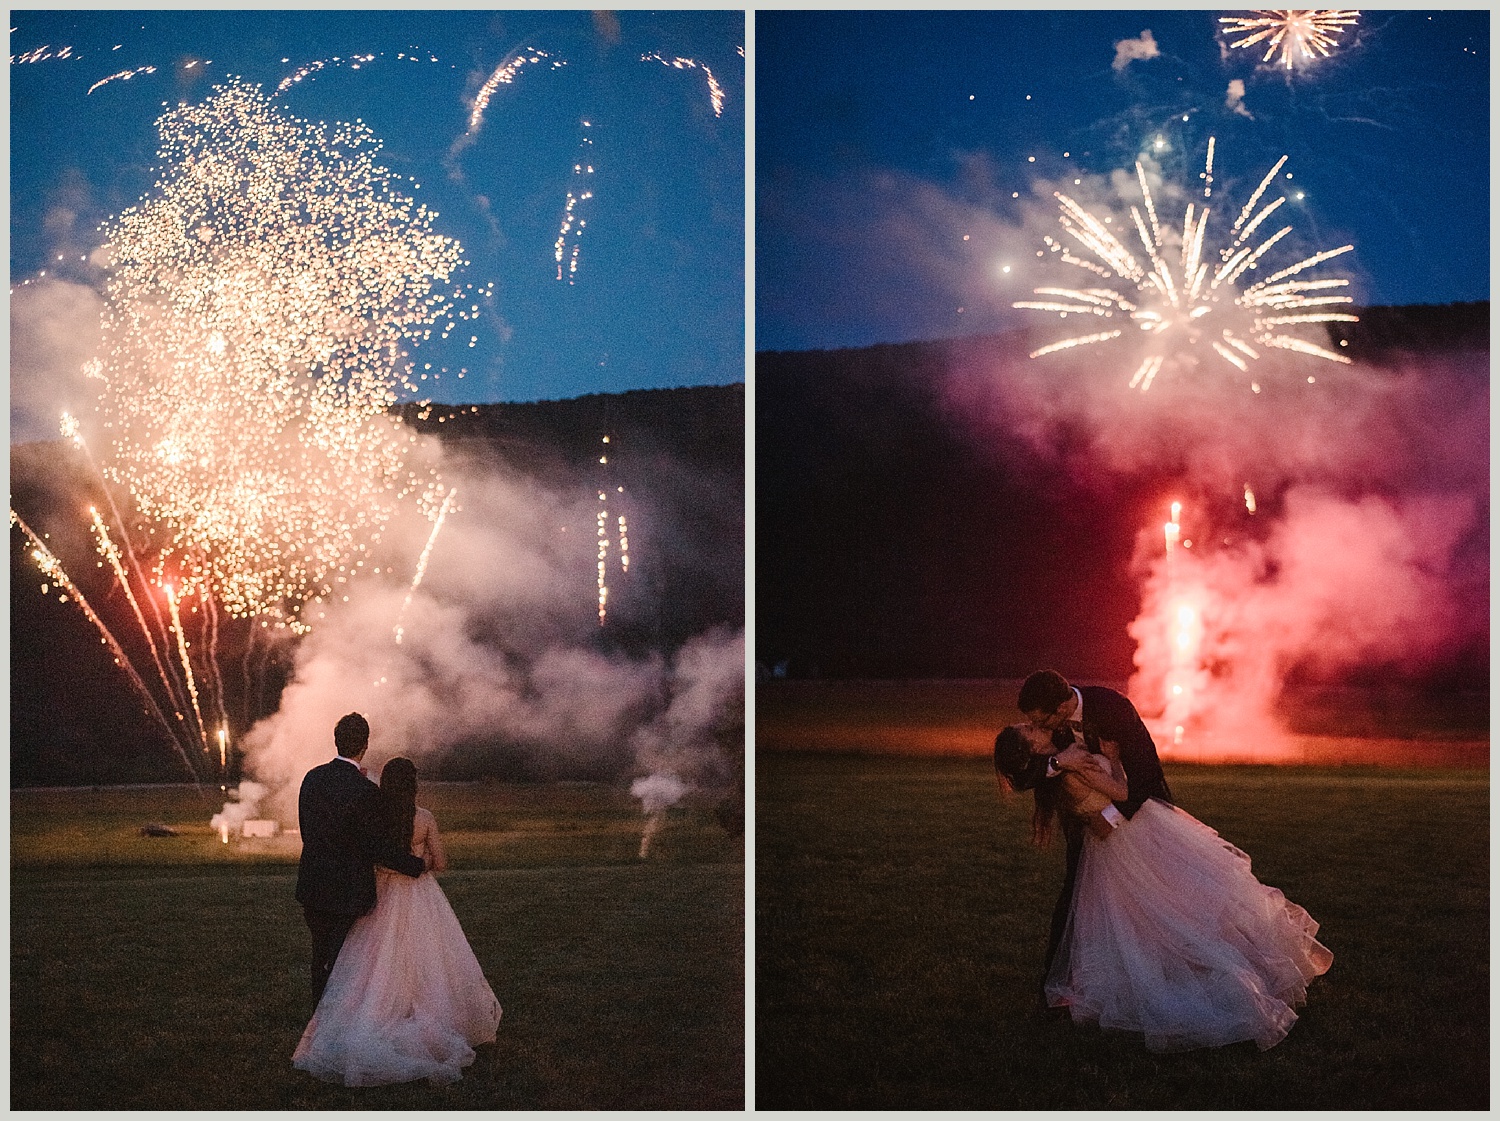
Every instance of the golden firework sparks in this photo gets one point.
(715, 90)
(123, 75)
(1301, 36)
(504, 75)
(354, 62)
(41, 54)
(1178, 297)
(258, 308)
(573, 222)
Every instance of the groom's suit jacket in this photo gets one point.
(341, 841)
(1108, 715)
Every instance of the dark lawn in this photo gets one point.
(183, 984)
(901, 919)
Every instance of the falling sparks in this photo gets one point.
(123, 76)
(416, 582)
(620, 539)
(354, 62)
(41, 54)
(51, 568)
(1301, 36)
(256, 314)
(715, 90)
(1181, 300)
(504, 75)
(573, 221)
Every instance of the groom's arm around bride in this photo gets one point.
(337, 812)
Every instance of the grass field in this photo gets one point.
(901, 919)
(171, 972)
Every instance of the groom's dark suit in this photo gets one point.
(337, 811)
(1106, 715)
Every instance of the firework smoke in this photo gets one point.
(1337, 529)
(658, 793)
(496, 655)
(1338, 584)
(244, 806)
(54, 330)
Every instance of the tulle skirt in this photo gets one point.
(1172, 937)
(406, 998)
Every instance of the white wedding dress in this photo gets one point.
(1171, 936)
(406, 998)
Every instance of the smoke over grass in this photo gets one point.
(501, 658)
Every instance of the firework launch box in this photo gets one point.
(258, 827)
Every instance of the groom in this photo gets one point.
(1078, 718)
(338, 813)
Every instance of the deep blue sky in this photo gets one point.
(881, 138)
(659, 293)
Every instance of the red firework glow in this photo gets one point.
(1334, 584)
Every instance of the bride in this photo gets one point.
(1169, 935)
(406, 998)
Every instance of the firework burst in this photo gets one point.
(256, 314)
(1182, 300)
(1301, 36)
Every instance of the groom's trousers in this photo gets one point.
(328, 933)
(1064, 903)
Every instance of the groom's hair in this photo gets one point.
(351, 735)
(1043, 691)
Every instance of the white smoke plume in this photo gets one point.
(678, 747)
(1234, 100)
(499, 647)
(1135, 50)
(658, 793)
(54, 329)
(247, 799)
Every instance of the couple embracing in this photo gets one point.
(400, 994)
(1160, 928)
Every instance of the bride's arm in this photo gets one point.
(1105, 774)
(436, 857)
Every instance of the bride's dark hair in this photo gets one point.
(398, 801)
(1012, 753)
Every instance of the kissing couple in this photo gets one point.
(400, 995)
(1160, 928)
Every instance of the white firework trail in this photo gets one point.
(715, 90)
(122, 76)
(1179, 297)
(422, 563)
(573, 221)
(503, 75)
(53, 570)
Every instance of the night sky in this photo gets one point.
(882, 139)
(658, 296)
